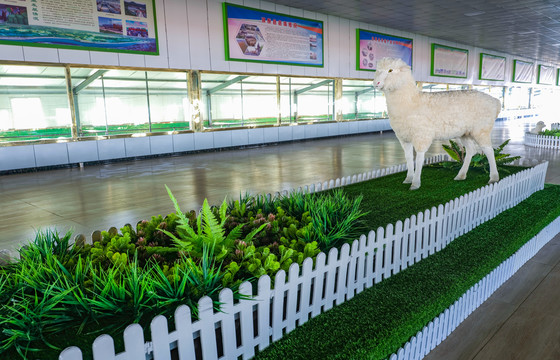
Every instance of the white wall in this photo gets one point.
(191, 37)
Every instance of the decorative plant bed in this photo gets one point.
(349, 274)
(333, 279)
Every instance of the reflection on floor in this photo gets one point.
(521, 321)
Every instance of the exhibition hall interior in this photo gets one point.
(200, 179)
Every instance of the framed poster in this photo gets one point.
(262, 36)
(127, 26)
(492, 67)
(545, 75)
(522, 71)
(449, 61)
(372, 46)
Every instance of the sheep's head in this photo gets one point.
(391, 74)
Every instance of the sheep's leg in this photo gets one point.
(409, 156)
(489, 152)
(468, 156)
(418, 171)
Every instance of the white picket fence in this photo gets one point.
(242, 327)
(440, 328)
(542, 141)
(555, 126)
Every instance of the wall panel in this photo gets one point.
(177, 34)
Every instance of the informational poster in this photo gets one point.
(372, 46)
(522, 71)
(492, 67)
(104, 25)
(262, 36)
(545, 75)
(449, 61)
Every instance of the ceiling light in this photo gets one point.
(474, 13)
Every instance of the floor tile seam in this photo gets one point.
(43, 209)
(506, 321)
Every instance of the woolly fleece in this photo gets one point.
(418, 118)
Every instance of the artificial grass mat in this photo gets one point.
(387, 199)
(381, 319)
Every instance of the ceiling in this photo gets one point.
(527, 28)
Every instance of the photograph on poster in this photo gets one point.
(449, 61)
(133, 8)
(110, 25)
(255, 35)
(13, 15)
(109, 6)
(372, 46)
(250, 39)
(136, 28)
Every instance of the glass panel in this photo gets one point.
(360, 100)
(427, 87)
(222, 100)
(111, 102)
(545, 100)
(33, 103)
(458, 87)
(260, 105)
(239, 100)
(498, 93)
(169, 101)
(312, 99)
(517, 97)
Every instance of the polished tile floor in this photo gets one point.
(521, 321)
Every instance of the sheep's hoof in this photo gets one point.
(460, 177)
(493, 180)
(414, 187)
(408, 180)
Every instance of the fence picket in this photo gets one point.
(103, 348)
(340, 291)
(389, 245)
(184, 329)
(133, 343)
(71, 353)
(319, 281)
(278, 305)
(306, 297)
(293, 289)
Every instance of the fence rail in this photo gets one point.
(542, 141)
(440, 327)
(303, 293)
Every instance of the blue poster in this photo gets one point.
(104, 25)
(262, 36)
(372, 46)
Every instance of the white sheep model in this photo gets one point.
(538, 128)
(419, 118)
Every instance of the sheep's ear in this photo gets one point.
(405, 68)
